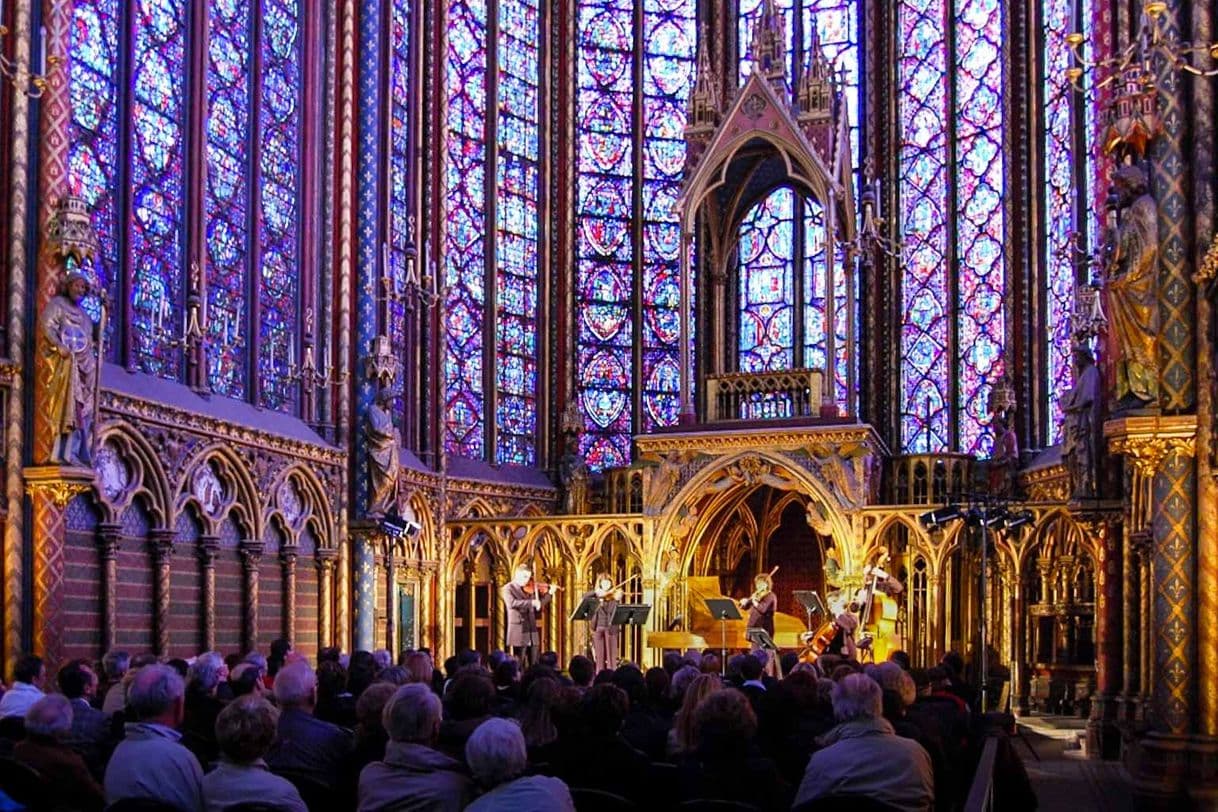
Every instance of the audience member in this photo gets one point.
(202, 706)
(536, 719)
(244, 680)
(245, 730)
(395, 675)
(600, 755)
(864, 756)
(726, 764)
(419, 666)
(335, 704)
(66, 779)
(91, 736)
(582, 671)
(305, 744)
(381, 659)
(26, 689)
(150, 762)
(497, 758)
(114, 666)
(468, 705)
(280, 649)
(370, 734)
(681, 736)
(413, 774)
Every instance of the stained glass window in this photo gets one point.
(491, 309)
(516, 233)
(945, 390)
(464, 244)
(227, 199)
(399, 170)
(279, 236)
(129, 83)
(158, 162)
(1065, 148)
(669, 43)
(767, 285)
(833, 27)
(93, 169)
(627, 242)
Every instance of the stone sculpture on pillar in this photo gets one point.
(383, 440)
(1130, 267)
(69, 346)
(1082, 428)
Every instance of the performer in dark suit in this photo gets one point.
(604, 633)
(524, 603)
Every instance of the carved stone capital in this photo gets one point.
(107, 540)
(209, 546)
(1148, 440)
(288, 555)
(58, 484)
(251, 553)
(160, 543)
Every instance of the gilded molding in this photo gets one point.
(59, 485)
(1148, 440)
(1208, 271)
(724, 441)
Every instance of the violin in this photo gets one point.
(762, 590)
(615, 592)
(535, 587)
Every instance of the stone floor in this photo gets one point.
(1066, 780)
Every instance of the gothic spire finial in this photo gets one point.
(769, 51)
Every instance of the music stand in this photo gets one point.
(631, 614)
(761, 639)
(811, 602)
(724, 609)
(587, 606)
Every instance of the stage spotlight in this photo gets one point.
(1019, 519)
(397, 527)
(935, 519)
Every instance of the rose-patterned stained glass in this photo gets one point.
(93, 168)
(465, 67)
(922, 65)
(1057, 20)
(980, 220)
(279, 236)
(226, 202)
(604, 218)
(940, 384)
(157, 167)
(767, 285)
(516, 233)
(669, 46)
(399, 174)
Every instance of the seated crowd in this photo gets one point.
(359, 732)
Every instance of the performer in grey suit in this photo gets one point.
(524, 602)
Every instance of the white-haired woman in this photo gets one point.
(65, 777)
(497, 757)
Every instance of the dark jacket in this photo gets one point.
(66, 778)
(92, 737)
(307, 744)
(602, 618)
(761, 613)
(522, 617)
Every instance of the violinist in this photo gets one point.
(761, 605)
(604, 633)
(524, 600)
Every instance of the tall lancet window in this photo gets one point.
(491, 191)
(1069, 122)
(634, 74)
(952, 184)
(132, 128)
(782, 258)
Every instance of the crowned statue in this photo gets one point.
(1131, 291)
(69, 349)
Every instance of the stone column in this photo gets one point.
(499, 576)
(1019, 647)
(287, 558)
(325, 561)
(391, 584)
(938, 603)
(1174, 573)
(364, 585)
(471, 604)
(107, 554)
(251, 557)
(208, 547)
(1131, 619)
(50, 488)
(160, 543)
(1102, 734)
